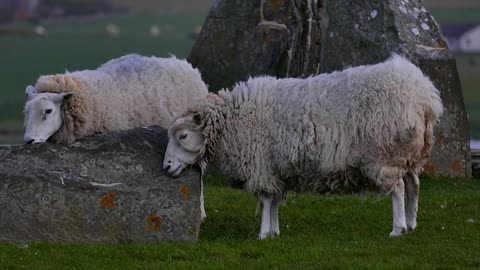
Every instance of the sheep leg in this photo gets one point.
(412, 187)
(398, 209)
(203, 214)
(266, 208)
(274, 225)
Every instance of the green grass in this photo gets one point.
(472, 102)
(84, 45)
(457, 14)
(317, 232)
(469, 70)
(451, 4)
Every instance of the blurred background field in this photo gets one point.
(73, 34)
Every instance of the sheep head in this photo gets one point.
(192, 135)
(186, 143)
(43, 114)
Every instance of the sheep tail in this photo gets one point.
(428, 139)
(432, 114)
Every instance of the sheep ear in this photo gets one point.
(31, 92)
(197, 119)
(60, 98)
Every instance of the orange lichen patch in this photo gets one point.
(154, 223)
(429, 168)
(184, 191)
(193, 229)
(442, 44)
(439, 139)
(456, 166)
(108, 201)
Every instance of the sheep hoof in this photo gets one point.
(274, 234)
(203, 215)
(398, 232)
(262, 236)
(411, 227)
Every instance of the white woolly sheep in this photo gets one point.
(127, 92)
(364, 128)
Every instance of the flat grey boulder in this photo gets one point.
(300, 38)
(108, 188)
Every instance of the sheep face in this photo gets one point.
(186, 144)
(43, 115)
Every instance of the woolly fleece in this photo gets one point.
(363, 127)
(127, 92)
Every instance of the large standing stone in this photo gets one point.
(109, 188)
(299, 38)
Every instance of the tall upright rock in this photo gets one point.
(300, 38)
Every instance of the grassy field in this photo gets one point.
(317, 232)
(469, 70)
(457, 15)
(472, 102)
(451, 4)
(459, 11)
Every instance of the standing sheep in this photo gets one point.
(367, 127)
(127, 92)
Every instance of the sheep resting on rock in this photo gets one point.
(127, 92)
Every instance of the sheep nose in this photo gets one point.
(30, 141)
(167, 168)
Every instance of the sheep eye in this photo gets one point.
(183, 136)
(48, 111)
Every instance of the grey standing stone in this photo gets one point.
(108, 188)
(300, 38)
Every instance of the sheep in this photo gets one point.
(127, 92)
(363, 128)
